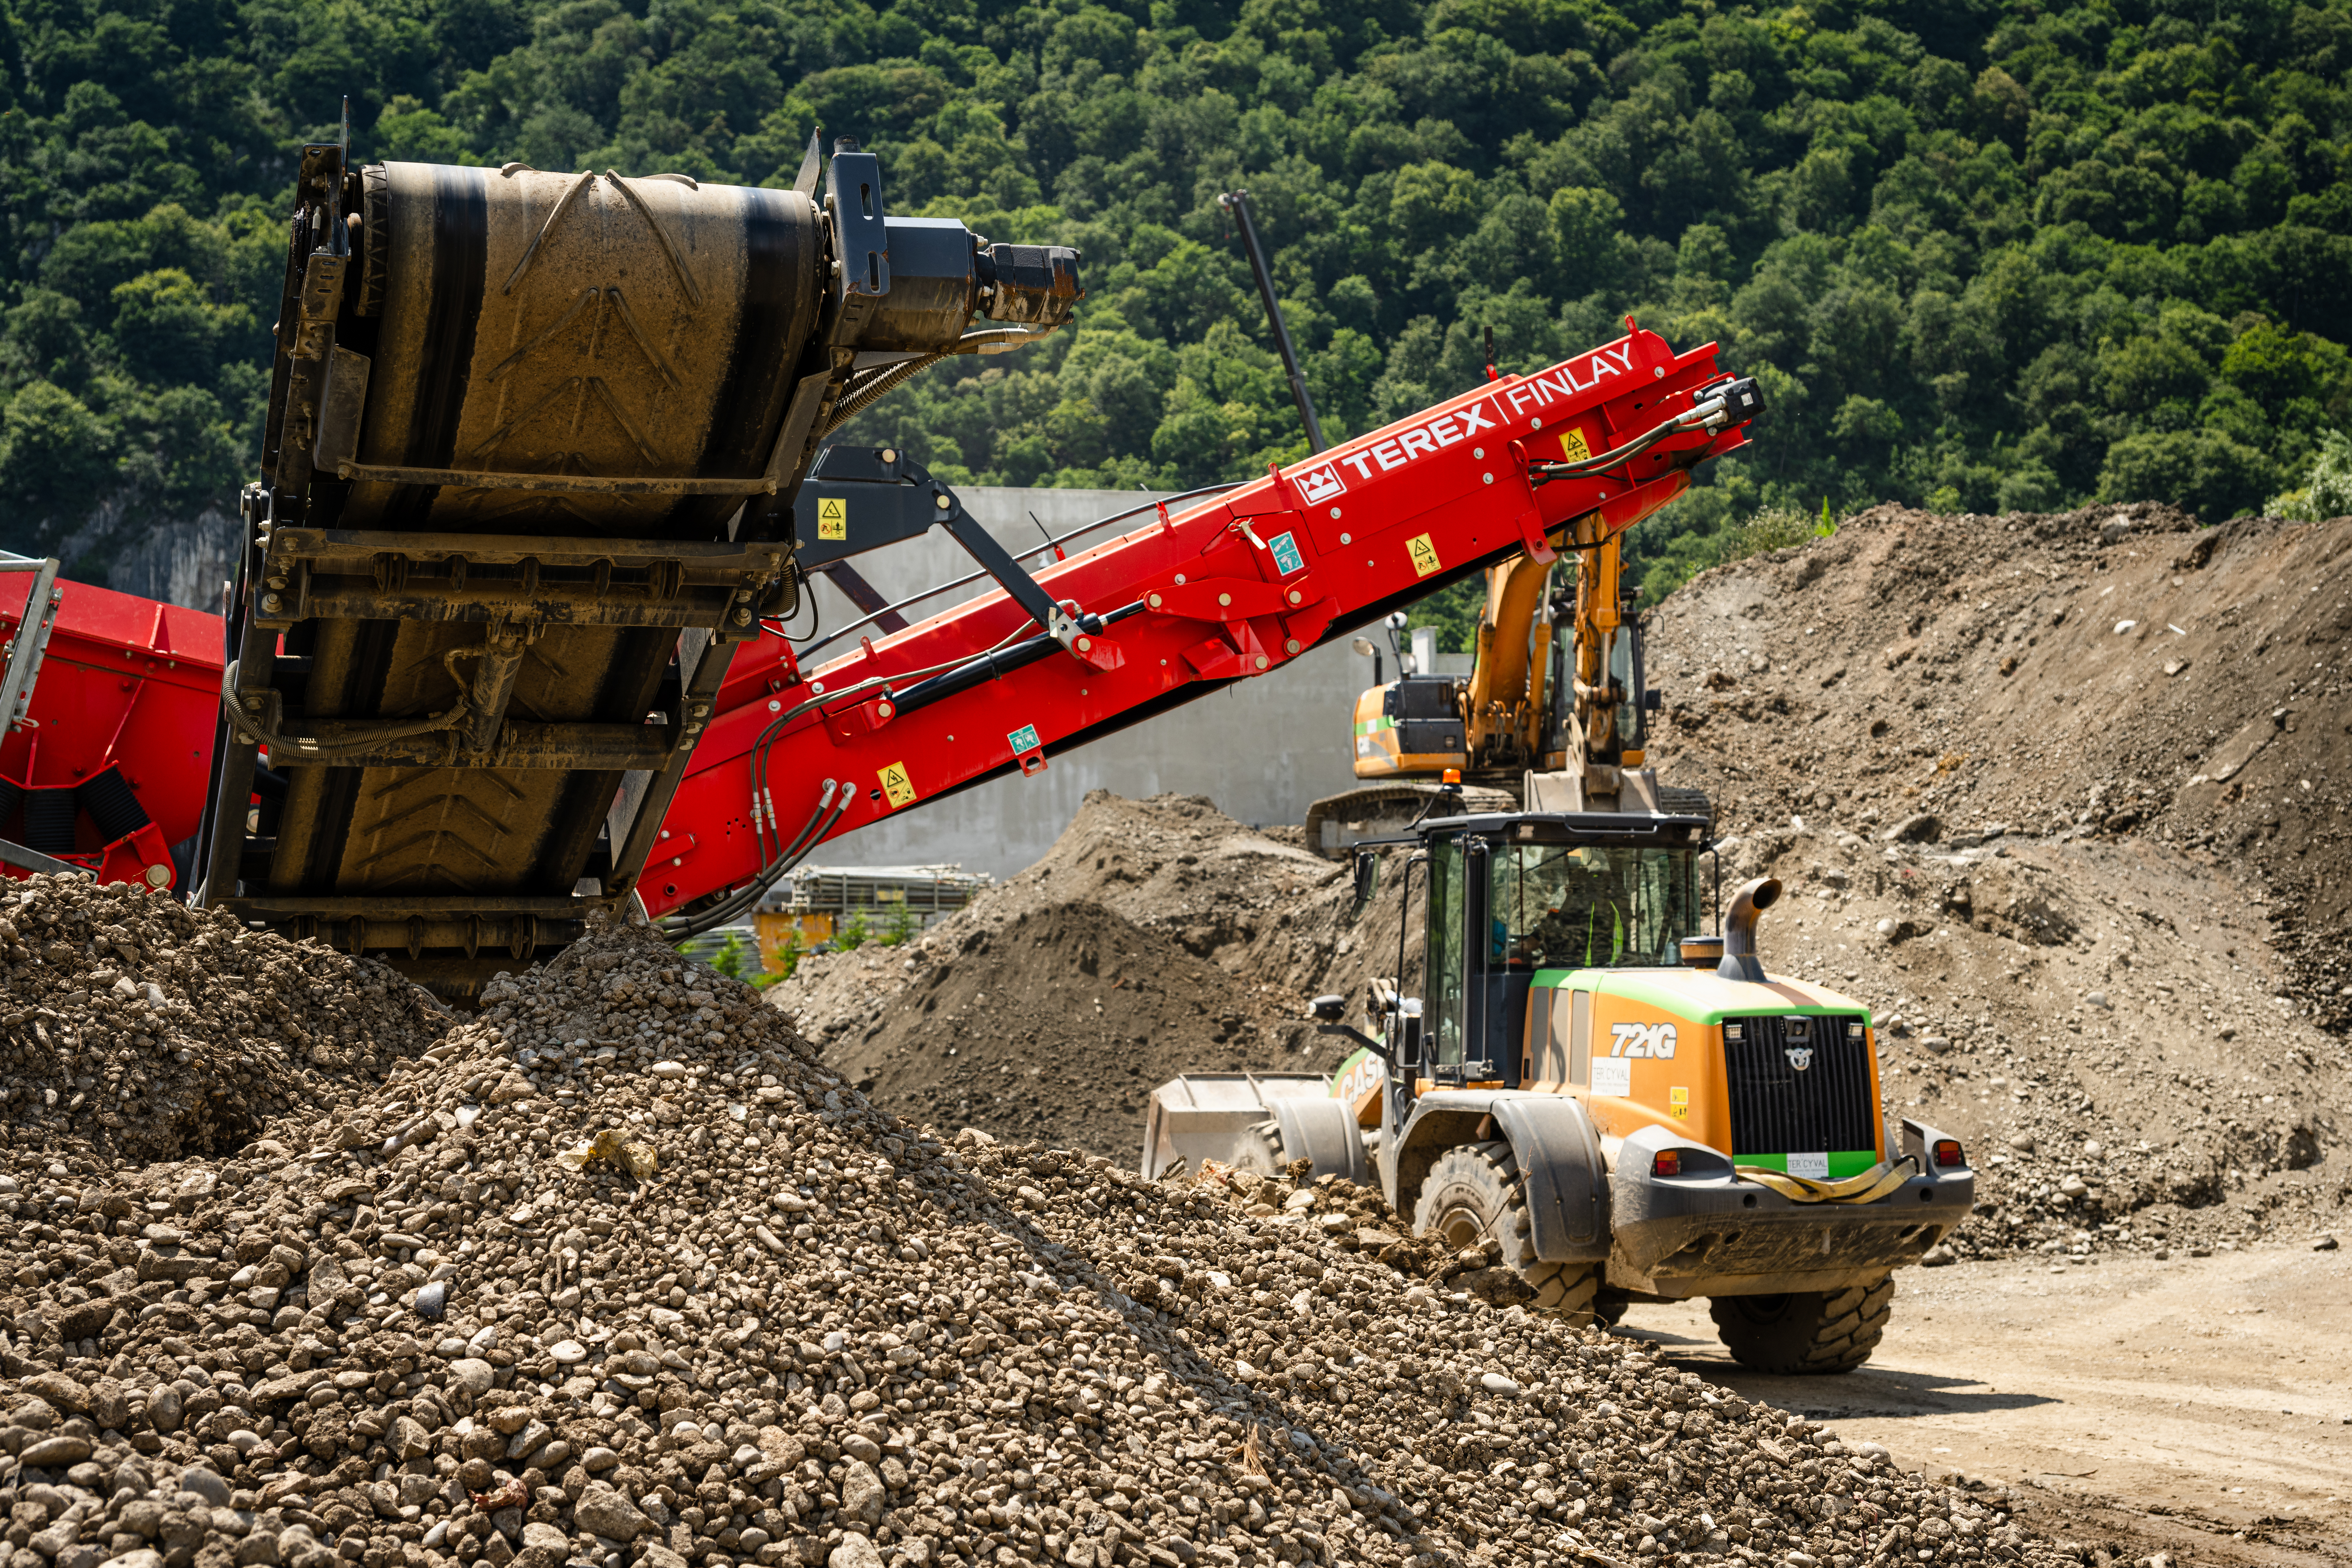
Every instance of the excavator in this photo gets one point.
(1552, 676)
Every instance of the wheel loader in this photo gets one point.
(1588, 1069)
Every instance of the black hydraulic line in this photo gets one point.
(988, 667)
(1237, 203)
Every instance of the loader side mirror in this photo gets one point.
(1328, 1009)
(1368, 875)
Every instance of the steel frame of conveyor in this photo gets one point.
(696, 588)
(707, 592)
(325, 709)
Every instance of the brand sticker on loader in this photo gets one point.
(1654, 1042)
(896, 786)
(833, 518)
(1572, 446)
(1360, 1075)
(1615, 1077)
(1425, 554)
(1814, 1165)
(1287, 558)
(1678, 1102)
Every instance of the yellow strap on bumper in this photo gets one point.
(1866, 1188)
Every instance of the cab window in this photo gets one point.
(1559, 905)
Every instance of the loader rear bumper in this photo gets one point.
(1719, 1235)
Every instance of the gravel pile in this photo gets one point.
(809, 1332)
(134, 1028)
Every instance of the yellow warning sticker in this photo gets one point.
(1678, 1102)
(833, 518)
(896, 785)
(1425, 554)
(1572, 446)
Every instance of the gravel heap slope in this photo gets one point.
(133, 1028)
(806, 1332)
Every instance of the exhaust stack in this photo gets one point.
(1739, 960)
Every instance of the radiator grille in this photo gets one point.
(1777, 1108)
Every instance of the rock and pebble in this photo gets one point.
(817, 1334)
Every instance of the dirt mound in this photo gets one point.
(1157, 937)
(2116, 674)
(2062, 799)
(777, 1325)
(141, 1030)
(1054, 1025)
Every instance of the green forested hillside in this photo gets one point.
(1984, 253)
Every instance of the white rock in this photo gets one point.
(855, 1551)
(475, 1376)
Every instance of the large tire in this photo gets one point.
(1473, 1193)
(1806, 1332)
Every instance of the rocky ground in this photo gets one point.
(623, 1270)
(619, 1272)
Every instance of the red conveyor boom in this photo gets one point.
(1229, 588)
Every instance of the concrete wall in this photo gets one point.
(1261, 749)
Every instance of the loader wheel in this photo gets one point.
(1473, 1193)
(1807, 1332)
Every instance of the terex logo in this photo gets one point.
(1512, 400)
(1653, 1041)
(1320, 483)
(1428, 436)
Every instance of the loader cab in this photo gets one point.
(1512, 897)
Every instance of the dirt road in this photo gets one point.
(2200, 1407)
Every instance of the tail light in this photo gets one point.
(1666, 1163)
(1947, 1154)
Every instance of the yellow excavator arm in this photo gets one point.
(1593, 736)
(1503, 708)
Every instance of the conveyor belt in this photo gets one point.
(527, 477)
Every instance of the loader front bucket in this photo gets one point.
(1253, 1122)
